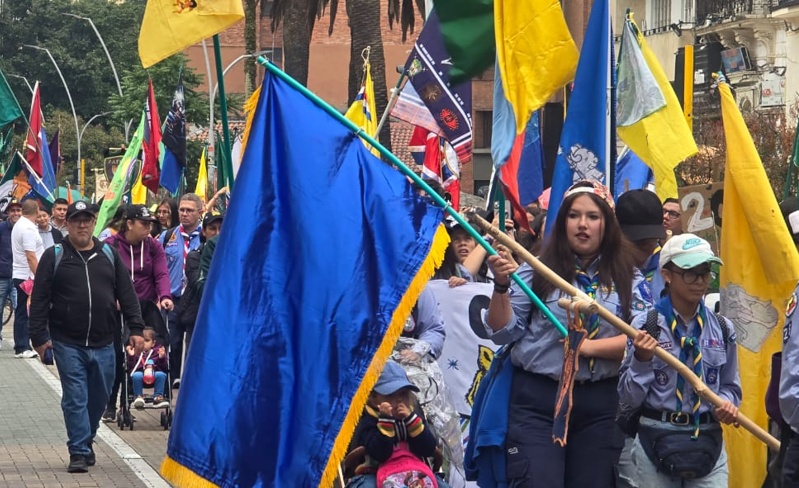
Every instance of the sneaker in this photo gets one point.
(176, 384)
(77, 464)
(91, 459)
(110, 414)
(138, 402)
(160, 402)
(28, 354)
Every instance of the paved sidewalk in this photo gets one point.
(33, 451)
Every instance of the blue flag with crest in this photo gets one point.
(588, 137)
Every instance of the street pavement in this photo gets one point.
(33, 451)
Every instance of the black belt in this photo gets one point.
(677, 418)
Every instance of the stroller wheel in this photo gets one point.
(169, 416)
(128, 419)
(120, 422)
(164, 420)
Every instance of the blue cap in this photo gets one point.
(393, 379)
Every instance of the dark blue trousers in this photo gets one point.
(593, 445)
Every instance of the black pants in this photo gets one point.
(593, 444)
(790, 467)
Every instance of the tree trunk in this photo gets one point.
(250, 19)
(364, 17)
(297, 40)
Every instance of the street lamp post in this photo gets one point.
(233, 63)
(69, 96)
(80, 136)
(22, 78)
(110, 61)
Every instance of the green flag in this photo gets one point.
(113, 196)
(9, 107)
(467, 27)
(13, 169)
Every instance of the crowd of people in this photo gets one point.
(633, 420)
(102, 307)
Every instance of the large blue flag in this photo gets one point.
(173, 162)
(428, 70)
(585, 143)
(322, 256)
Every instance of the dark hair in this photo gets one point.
(60, 201)
(671, 200)
(616, 266)
(42, 208)
(117, 222)
(173, 211)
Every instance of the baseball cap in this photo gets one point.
(687, 251)
(393, 379)
(13, 203)
(140, 212)
(640, 215)
(211, 217)
(81, 207)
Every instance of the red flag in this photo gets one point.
(438, 160)
(34, 142)
(152, 140)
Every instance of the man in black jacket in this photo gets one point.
(75, 294)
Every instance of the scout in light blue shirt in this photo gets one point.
(693, 335)
(537, 350)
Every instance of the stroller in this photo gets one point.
(159, 324)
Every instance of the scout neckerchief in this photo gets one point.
(186, 244)
(689, 346)
(589, 284)
(651, 266)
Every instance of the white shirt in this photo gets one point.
(25, 237)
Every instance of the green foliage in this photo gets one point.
(89, 76)
(165, 75)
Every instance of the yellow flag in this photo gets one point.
(663, 139)
(761, 268)
(170, 26)
(138, 193)
(362, 112)
(202, 179)
(535, 53)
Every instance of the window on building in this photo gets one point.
(483, 120)
(658, 14)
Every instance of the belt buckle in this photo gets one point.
(679, 418)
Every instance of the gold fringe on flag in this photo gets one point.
(433, 260)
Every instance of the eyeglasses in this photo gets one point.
(691, 276)
(187, 210)
(672, 214)
(82, 222)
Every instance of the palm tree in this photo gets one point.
(298, 18)
(250, 18)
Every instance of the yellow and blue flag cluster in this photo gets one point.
(329, 248)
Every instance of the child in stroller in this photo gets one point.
(148, 368)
